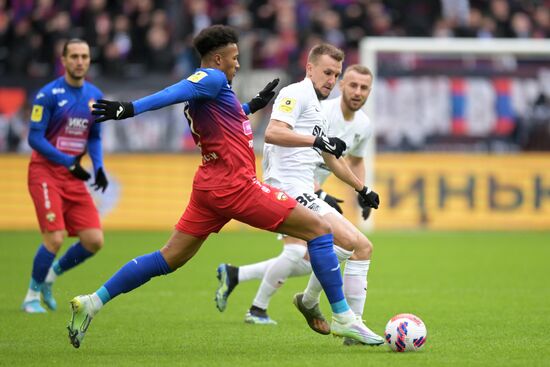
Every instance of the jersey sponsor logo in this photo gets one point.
(287, 105)
(317, 131)
(58, 91)
(78, 123)
(195, 78)
(281, 196)
(62, 103)
(71, 144)
(247, 129)
(37, 111)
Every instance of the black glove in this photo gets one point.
(262, 99)
(365, 209)
(369, 197)
(77, 170)
(330, 200)
(112, 110)
(100, 180)
(334, 146)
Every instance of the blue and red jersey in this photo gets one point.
(62, 125)
(219, 125)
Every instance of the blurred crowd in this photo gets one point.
(138, 40)
(131, 37)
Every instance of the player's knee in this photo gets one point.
(53, 241)
(93, 243)
(363, 250)
(294, 253)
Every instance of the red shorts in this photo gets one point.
(252, 202)
(61, 201)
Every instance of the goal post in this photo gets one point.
(371, 48)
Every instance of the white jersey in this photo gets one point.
(355, 133)
(292, 169)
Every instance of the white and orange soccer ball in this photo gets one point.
(405, 333)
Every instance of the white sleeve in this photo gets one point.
(360, 149)
(288, 105)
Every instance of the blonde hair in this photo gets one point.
(361, 69)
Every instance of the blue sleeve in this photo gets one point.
(202, 84)
(94, 146)
(38, 142)
(40, 118)
(246, 109)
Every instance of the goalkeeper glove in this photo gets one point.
(100, 180)
(112, 110)
(330, 200)
(334, 146)
(263, 97)
(369, 197)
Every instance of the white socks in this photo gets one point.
(32, 295)
(255, 271)
(313, 290)
(275, 276)
(51, 277)
(355, 284)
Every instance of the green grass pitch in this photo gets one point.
(485, 298)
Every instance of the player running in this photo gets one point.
(290, 164)
(62, 128)
(348, 122)
(225, 186)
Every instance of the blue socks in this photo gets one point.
(327, 269)
(133, 274)
(42, 262)
(75, 255)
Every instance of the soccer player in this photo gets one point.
(62, 129)
(289, 166)
(348, 122)
(225, 186)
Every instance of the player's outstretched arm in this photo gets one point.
(112, 110)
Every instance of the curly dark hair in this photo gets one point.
(214, 37)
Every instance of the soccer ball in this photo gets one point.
(405, 333)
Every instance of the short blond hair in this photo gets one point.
(360, 69)
(325, 49)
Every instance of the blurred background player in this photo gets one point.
(295, 132)
(225, 186)
(348, 122)
(62, 128)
